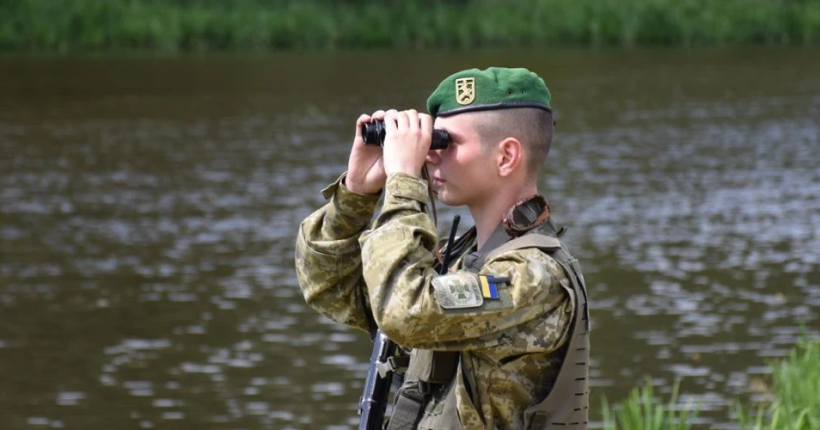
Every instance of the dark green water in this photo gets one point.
(148, 210)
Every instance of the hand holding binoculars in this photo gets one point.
(374, 132)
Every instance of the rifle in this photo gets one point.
(380, 373)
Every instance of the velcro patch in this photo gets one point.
(458, 290)
(489, 285)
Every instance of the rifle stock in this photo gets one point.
(377, 384)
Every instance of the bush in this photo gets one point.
(253, 25)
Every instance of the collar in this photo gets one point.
(473, 260)
(526, 215)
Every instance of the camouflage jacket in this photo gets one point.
(348, 266)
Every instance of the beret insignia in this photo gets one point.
(465, 90)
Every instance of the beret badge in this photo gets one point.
(465, 90)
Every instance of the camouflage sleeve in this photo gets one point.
(328, 256)
(414, 306)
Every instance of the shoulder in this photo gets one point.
(534, 275)
(532, 262)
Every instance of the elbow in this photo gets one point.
(400, 326)
(398, 334)
(349, 316)
(390, 327)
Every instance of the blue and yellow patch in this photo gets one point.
(489, 286)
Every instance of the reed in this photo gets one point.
(642, 411)
(796, 404)
(264, 25)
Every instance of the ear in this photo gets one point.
(510, 156)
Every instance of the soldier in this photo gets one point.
(501, 340)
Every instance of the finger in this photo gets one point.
(413, 118)
(379, 114)
(402, 120)
(390, 120)
(426, 122)
(363, 119)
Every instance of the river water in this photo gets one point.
(148, 208)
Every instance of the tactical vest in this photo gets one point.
(427, 398)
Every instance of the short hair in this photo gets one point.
(533, 127)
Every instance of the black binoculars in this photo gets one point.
(373, 134)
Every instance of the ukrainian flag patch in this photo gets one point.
(489, 286)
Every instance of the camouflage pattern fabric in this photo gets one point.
(329, 259)
(509, 357)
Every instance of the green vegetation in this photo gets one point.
(797, 393)
(641, 411)
(261, 25)
(796, 404)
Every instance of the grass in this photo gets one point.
(796, 404)
(262, 25)
(642, 411)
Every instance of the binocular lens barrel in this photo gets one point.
(374, 132)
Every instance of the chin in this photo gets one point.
(449, 200)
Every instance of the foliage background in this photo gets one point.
(172, 26)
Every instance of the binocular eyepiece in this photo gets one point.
(374, 132)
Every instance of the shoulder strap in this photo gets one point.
(532, 240)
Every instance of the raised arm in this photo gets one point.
(417, 308)
(328, 257)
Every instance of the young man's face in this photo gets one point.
(465, 172)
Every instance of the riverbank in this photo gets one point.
(257, 25)
(795, 404)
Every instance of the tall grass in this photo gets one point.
(642, 411)
(251, 25)
(797, 393)
(796, 404)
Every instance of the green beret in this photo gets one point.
(493, 88)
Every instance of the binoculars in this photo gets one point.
(373, 134)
